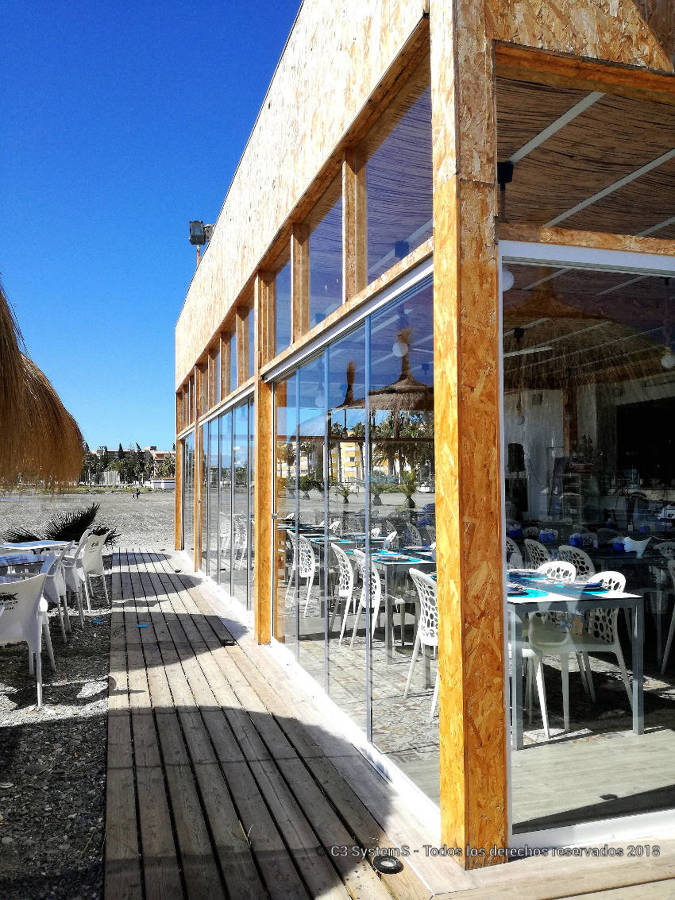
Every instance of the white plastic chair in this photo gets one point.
(391, 540)
(55, 588)
(414, 534)
(92, 563)
(671, 629)
(598, 635)
(514, 558)
(559, 569)
(345, 585)
(427, 629)
(580, 560)
(21, 620)
(372, 596)
(536, 553)
(305, 569)
(71, 564)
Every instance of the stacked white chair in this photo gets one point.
(55, 589)
(373, 597)
(345, 585)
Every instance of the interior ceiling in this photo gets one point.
(569, 145)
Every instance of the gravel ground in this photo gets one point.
(53, 760)
(146, 522)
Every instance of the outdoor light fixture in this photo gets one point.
(668, 359)
(387, 864)
(507, 279)
(200, 233)
(399, 348)
(504, 177)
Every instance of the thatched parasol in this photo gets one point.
(38, 436)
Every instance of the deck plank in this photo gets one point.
(214, 787)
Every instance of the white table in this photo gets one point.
(570, 599)
(33, 546)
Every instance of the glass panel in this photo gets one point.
(240, 528)
(225, 511)
(286, 588)
(212, 503)
(203, 498)
(234, 381)
(311, 433)
(589, 435)
(250, 325)
(401, 413)
(282, 308)
(251, 501)
(189, 494)
(346, 523)
(216, 374)
(399, 182)
(325, 256)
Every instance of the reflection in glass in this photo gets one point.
(203, 487)
(250, 328)
(310, 560)
(251, 501)
(240, 505)
(346, 522)
(285, 496)
(325, 255)
(212, 500)
(225, 510)
(189, 494)
(404, 656)
(589, 438)
(399, 184)
(282, 308)
(234, 381)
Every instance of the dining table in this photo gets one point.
(531, 593)
(32, 546)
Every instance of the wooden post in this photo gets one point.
(242, 345)
(263, 497)
(472, 710)
(354, 234)
(299, 281)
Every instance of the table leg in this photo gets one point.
(516, 681)
(388, 618)
(637, 651)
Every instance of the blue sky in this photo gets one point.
(120, 122)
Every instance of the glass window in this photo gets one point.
(251, 501)
(212, 499)
(398, 179)
(403, 513)
(250, 327)
(282, 308)
(234, 380)
(589, 450)
(188, 494)
(340, 434)
(225, 509)
(325, 255)
(285, 494)
(203, 489)
(346, 502)
(217, 395)
(240, 518)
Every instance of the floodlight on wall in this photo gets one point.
(504, 177)
(200, 234)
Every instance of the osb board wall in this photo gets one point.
(334, 58)
(613, 30)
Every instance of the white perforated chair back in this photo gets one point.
(514, 558)
(375, 582)
(536, 553)
(428, 623)
(558, 568)
(92, 554)
(345, 572)
(579, 559)
(307, 559)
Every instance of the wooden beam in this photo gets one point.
(299, 280)
(596, 240)
(558, 70)
(354, 234)
(472, 707)
(242, 345)
(263, 500)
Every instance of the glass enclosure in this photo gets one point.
(188, 479)
(325, 255)
(282, 308)
(589, 484)
(355, 587)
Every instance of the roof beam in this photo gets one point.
(556, 125)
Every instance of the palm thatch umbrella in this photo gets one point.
(39, 439)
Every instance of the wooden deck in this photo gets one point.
(225, 780)
(215, 789)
